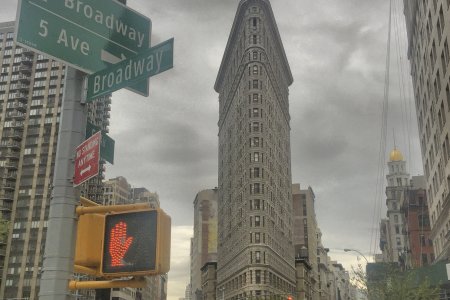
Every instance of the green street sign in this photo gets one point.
(106, 144)
(89, 35)
(134, 69)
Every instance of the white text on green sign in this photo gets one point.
(88, 35)
(147, 63)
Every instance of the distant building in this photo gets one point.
(142, 195)
(415, 209)
(405, 234)
(393, 240)
(209, 281)
(305, 240)
(204, 242)
(187, 292)
(427, 24)
(116, 191)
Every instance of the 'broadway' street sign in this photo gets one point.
(147, 63)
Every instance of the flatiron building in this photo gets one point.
(255, 249)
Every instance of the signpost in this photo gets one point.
(106, 144)
(87, 159)
(89, 35)
(147, 63)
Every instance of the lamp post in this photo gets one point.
(357, 251)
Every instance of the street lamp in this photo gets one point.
(357, 251)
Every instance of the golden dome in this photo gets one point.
(396, 155)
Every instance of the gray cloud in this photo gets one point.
(336, 50)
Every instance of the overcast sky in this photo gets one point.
(336, 49)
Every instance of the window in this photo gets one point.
(257, 256)
(254, 39)
(257, 204)
(255, 70)
(257, 238)
(422, 240)
(255, 55)
(255, 142)
(257, 222)
(257, 276)
(255, 84)
(256, 156)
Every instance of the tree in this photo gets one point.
(387, 282)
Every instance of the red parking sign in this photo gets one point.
(87, 158)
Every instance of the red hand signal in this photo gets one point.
(119, 244)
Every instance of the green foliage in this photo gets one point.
(387, 282)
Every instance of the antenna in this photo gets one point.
(393, 134)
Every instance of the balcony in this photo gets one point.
(12, 133)
(24, 68)
(23, 87)
(12, 155)
(21, 96)
(9, 166)
(6, 197)
(8, 186)
(17, 115)
(20, 106)
(24, 78)
(17, 125)
(27, 52)
(11, 176)
(10, 144)
(26, 60)
(5, 206)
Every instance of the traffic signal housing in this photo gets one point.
(89, 245)
(136, 243)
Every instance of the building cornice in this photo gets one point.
(237, 23)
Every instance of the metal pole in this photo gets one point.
(61, 233)
(357, 251)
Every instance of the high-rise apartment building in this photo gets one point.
(428, 27)
(204, 242)
(255, 250)
(31, 89)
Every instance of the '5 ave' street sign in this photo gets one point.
(88, 35)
